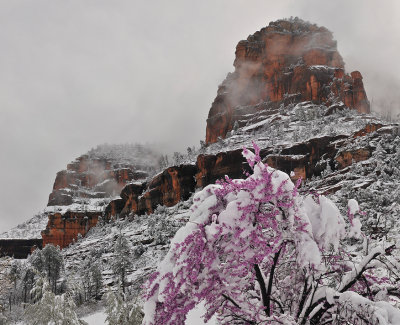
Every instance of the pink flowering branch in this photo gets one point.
(241, 252)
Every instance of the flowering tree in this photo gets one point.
(256, 252)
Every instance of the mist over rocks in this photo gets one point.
(287, 61)
(81, 193)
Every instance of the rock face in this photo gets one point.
(300, 160)
(83, 191)
(63, 228)
(166, 188)
(288, 76)
(290, 60)
(210, 168)
(19, 248)
(91, 178)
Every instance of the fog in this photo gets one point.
(77, 73)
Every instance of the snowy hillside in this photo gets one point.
(290, 124)
(372, 182)
(28, 229)
(148, 238)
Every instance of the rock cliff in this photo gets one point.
(289, 93)
(287, 61)
(306, 159)
(82, 191)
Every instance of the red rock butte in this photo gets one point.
(289, 61)
(85, 178)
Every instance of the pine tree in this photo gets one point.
(97, 279)
(28, 281)
(51, 309)
(49, 261)
(121, 260)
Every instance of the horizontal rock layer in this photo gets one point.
(89, 177)
(300, 160)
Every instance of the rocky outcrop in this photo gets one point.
(287, 60)
(92, 177)
(303, 159)
(84, 190)
(64, 228)
(369, 128)
(210, 168)
(348, 157)
(300, 160)
(114, 208)
(166, 188)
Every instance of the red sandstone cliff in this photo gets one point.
(302, 160)
(287, 62)
(288, 59)
(82, 191)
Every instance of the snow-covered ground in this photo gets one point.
(29, 229)
(97, 318)
(193, 318)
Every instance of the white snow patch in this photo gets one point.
(194, 317)
(97, 318)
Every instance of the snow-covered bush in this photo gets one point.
(256, 252)
(51, 309)
(120, 311)
(48, 261)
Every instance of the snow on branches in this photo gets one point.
(256, 252)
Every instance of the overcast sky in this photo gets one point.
(77, 73)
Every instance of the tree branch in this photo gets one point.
(231, 300)
(266, 292)
(261, 282)
(359, 273)
(303, 298)
(318, 315)
(369, 292)
(270, 281)
(279, 305)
